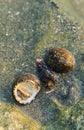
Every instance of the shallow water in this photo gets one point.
(74, 9)
(27, 29)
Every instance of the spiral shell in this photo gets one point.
(59, 60)
(47, 76)
(26, 88)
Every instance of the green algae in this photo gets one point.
(12, 118)
(69, 117)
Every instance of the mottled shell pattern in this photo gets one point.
(59, 60)
(47, 76)
(26, 88)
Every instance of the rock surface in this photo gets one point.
(27, 29)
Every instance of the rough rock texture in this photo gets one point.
(27, 29)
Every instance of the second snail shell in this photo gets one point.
(59, 60)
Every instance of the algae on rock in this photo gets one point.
(27, 29)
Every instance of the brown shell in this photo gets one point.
(26, 88)
(59, 60)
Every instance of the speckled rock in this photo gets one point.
(27, 29)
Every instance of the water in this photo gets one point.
(73, 8)
(27, 29)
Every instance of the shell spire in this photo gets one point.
(48, 77)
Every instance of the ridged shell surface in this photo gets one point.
(25, 88)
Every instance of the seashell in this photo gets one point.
(48, 77)
(25, 88)
(59, 60)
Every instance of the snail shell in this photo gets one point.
(26, 88)
(59, 60)
(48, 77)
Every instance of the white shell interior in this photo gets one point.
(25, 92)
